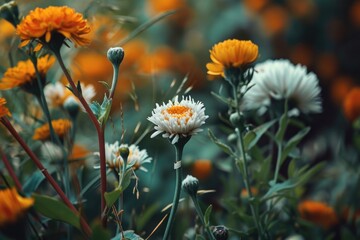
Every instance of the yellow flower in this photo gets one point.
(318, 212)
(12, 205)
(231, 54)
(61, 127)
(7, 30)
(3, 110)
(45, 23)
(23, 74)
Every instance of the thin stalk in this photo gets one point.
(44, 171)
(99, 129)
(179, 151)
(114, 81)
(201, 215)
(278, 163)
(11, 171)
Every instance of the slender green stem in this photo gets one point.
(278, 163)
(201, 215)
(99, 129)
(114, 81)
(179, 150)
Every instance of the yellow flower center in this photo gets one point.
(178, 111)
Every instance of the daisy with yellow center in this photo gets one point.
(318, 212)
(12, 206)
(4, 111)
(61, 128)
(23, 74)
(178, 119)
(231, 53)
(53, 24)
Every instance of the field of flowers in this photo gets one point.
(180, 119)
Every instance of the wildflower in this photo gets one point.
(201, 168)
(23, 74)
(351, 104)
(57, 94)
(77, 157)
(318, 212)
(191, 185)
(281, 80)
(4, 111)
(61, 128)
(54, 24)
(135, 159)
(12, 205)
(178, 119)
(229, 54)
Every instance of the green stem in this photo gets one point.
(278, 162)
(179, 150)
(201, 215)
(11, 171)
(247, 181)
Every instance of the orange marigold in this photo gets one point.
(12, 205)
(23, 74)
(201, 169)
(45, 23)
(61, 127)
(351, 104)
(231, 53)
(3, 110)
(318, 212)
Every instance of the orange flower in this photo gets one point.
(318, 212)
(12, 205)
(231, 54)
(244, 193)
(23, 75)
(7, 30)
(201, 169)
(45, 23)
(77, 158)
(61, 127)
(351, 105)
(340, 87)
(3, 110)
(275, 19)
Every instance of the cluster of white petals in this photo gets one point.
(136, 157)
(280, 79)
(178, 119)
(57, 95)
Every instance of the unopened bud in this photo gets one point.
(190, 185)
(220, 232)
(115, 55)
(124, 153)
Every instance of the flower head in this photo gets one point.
(12, 205)
(282, 80)
(231, 54)
(135, 159)
(178, 119)
(351, 105)
(4, 111)
(201, 168)
(190, 185)
(61, 128)
(48, 24)
(318, 212)
(23, 74)
(57, 94)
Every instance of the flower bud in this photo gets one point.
(190, 185)
(10, 12)
(237, 119)
(124, 153)
(220, 232)
(115, 55)
(71, 106)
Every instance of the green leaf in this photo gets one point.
(293, 142)
(105, 84)
(98, 232)
(275, 188)
(34, 181)
(54, 209)
(227, 149)
(282, 128)
(111, 197)
(207, 215)
(125, 182)
(222, 99)
(252, 137)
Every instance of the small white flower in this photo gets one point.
(136, 157)
(57, 94)
(176, 119)
(280, 79)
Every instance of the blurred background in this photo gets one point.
(323, 35)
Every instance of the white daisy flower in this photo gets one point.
(136, 157)
(176, 119)
(57, 94)
(280, 79)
